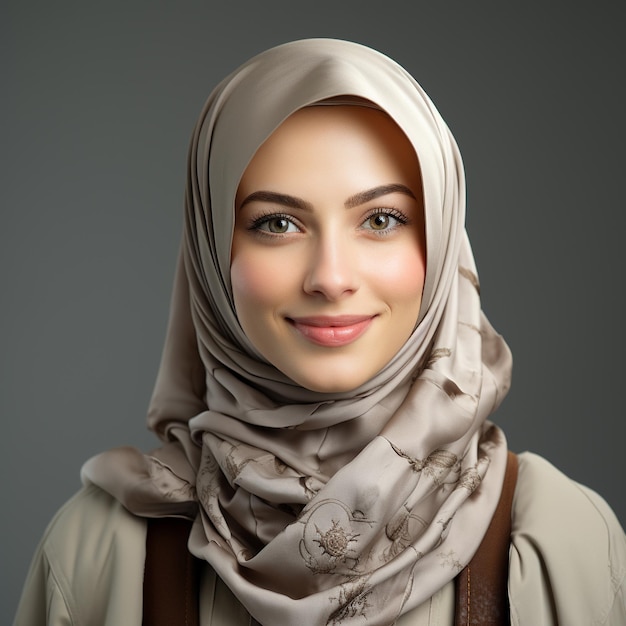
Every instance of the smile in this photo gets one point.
(332, 331)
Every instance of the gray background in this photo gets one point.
(98, 105)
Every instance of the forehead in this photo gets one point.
(329, 120)
(344, 136)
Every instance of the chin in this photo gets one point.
(329, 383)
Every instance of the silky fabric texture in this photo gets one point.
(328, 508)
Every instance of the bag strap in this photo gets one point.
(481, 589)
(171, 582)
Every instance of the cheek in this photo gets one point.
(400, 277)
(248, 286)
(259, 282)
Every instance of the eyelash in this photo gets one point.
(257, 222)
(399, 216)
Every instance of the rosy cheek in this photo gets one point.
(413, 273)
(400, 276)
(258, 282)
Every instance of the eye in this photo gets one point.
(275, 224)
(379, 222)
(384, 220)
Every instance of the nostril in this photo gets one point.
(331, 273)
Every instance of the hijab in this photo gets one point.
(339, 507)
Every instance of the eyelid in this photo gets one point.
(255, 222)
(384, 210)
(396, 214)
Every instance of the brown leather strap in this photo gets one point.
(481, 588)
(171, 575)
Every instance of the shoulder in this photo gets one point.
(93, 518)
(90, 562)
(568, 551)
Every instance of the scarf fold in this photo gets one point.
(343, 508)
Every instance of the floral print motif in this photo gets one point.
(402, 531)
(352, 601)
(330, 539)
(232, 466)
(450, 559)
(335, 542)
(436, 466)
(470, 479)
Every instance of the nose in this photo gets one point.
(331, 268)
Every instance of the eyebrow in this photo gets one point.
(353, 201)
(376, 192)
(277, 198)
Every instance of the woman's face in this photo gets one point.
(328, 257)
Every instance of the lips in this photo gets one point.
(332, 331)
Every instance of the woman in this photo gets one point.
(326, 383)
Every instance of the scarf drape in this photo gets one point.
(321, 508)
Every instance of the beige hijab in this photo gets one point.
(318, 508)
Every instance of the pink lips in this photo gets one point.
(332, 331)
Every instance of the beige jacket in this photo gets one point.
(567, 563)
